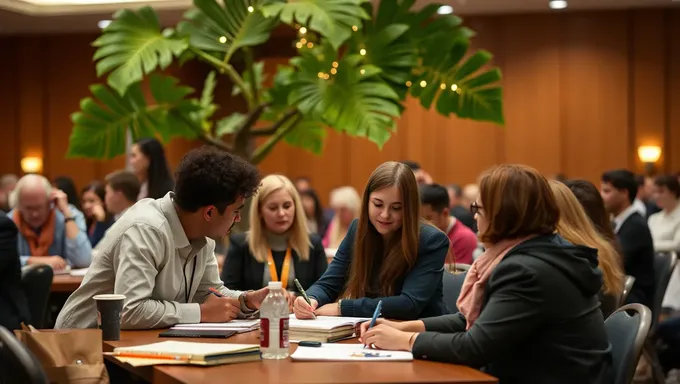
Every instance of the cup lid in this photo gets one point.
(109, 296)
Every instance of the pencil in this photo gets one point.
(215, 292)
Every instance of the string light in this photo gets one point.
(303, 41)
(310, 45)
(335, 64)
(362, 71)
(298, 45)
(326, 76)
(355, 28)
(320, 74)
(408, 83)
(362, 52)
(442, 86)
(454, 87)
(333, 71)
(223, 39)
(251, 9)
(423, 83)
(303, 30)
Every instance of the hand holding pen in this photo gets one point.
(219, 309)
(303, 306)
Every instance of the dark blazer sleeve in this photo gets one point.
(511, 314)
(446, 323)
(9, 255)
(318, 257)
(419, 284)
(233, 271)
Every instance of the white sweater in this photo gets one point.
(665, 228)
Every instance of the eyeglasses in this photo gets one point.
(474, 208)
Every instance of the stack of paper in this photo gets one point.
(348, 352)
(181, 352)
(240, 326)
(323, 328)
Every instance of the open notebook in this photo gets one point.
(323, 328)
(240, 326)
(348, 352)
(181, 352)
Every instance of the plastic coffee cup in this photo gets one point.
(109, 308)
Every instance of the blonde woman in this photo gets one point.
(577, 228)
(277, 246)
(346, 203)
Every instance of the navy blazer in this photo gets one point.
(417, 294)
(242, 272)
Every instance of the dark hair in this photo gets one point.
(318, 209)
(517, 201)
(640, 180)
(67, 185)
(591, 201)
(98, 189)
(669, 182)
(435, 196)
(622, 179)
(209, 176)
(411, 164)
(456, 188)
(126, 183)
(159, 180)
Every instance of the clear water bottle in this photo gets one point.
(274, 323)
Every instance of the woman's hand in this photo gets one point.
(332, 309)
(385, 337)
(404, 326)
(291, 296)
(302, 310)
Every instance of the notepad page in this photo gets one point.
(348, 352)
(187, 348)
(324, 323)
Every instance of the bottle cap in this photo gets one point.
(275, 285)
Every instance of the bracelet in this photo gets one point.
(67, 219)
(340, 307)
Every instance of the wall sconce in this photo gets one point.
(649, 154)
(31, 165)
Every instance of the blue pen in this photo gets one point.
(378, 308)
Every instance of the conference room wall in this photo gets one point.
(582, 92)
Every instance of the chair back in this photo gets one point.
(627, 329)
(17, 363)
(627, 286)
(664, 262)
(452, 283)
(36, 281)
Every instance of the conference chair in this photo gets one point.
(36, 281)
(664, 263)
(452, 283)
(627, 329)
(17, 363)
(627, 286)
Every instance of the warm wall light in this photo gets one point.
(31, 164)
(649, 153)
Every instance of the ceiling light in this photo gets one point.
(103, 23)
(557, 4)
(445, 10)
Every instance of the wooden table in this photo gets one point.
(66, 283)
(287, 371)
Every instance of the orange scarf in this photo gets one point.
(39, 244)
(472, 293)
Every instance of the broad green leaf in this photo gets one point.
(215, 27)
(309, 135)
(259, 76)
(333, 19)
(132, 46)
(230, 124)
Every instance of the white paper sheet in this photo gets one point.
(348, 352)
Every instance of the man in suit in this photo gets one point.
(13, 306)
(618, 191)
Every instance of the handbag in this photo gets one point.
(69, 356)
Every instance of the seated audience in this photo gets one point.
(13, 305)
(122, 188)
(7, 184)
(148, 162)
(645, 202)
(277, 246)
(68, 186)
(618, 192)
(346, 203)
(97, 219)
(422, 177)
(160, 254)
(434, 201)
(591, 200)
(529, 308)
(388, 254)
(575, 227)
(51, 231)
(316, 220)
(665, 225)
(303, 184)
(457, 210)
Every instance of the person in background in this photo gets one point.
(51, 231)
(434, 208)
(422, 177)
(160, 253)
(346, 203)
(529, 308)
(316, 220)
(66, 185)
(470, 195)
(388, 255)
(7, 184)
(97, 219)
(618, 191)
(278, 245)
(121, 191)
(576, 227)
(457, 210)
(303, 184)
(148, 162)
(13, 304)
(591, 200)
(644, 199)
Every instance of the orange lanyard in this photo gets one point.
(285, 270)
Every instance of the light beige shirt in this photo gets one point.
(147, 257)
(665, 229)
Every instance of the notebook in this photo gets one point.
(181, 352)
(348, 352)
(323, 328)
(240, 326)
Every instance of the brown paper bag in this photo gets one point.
(73, 356)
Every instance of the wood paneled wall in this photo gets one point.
(582, 92)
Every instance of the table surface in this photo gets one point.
(66, 283)
(287, 371)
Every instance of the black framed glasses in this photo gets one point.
(474, 208)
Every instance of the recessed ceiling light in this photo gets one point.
(103, 23)
(445, 10)
(557, 4)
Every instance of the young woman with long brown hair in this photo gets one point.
(388, 255)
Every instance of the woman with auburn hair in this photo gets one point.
(576, 227)
(388, 255)
(529, 308)
(346, 203)
(277, 246)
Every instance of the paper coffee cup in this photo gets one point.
(109, 308)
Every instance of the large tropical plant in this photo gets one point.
(354, 67)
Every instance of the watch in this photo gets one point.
(67, 219)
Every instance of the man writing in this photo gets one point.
(160, 254)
